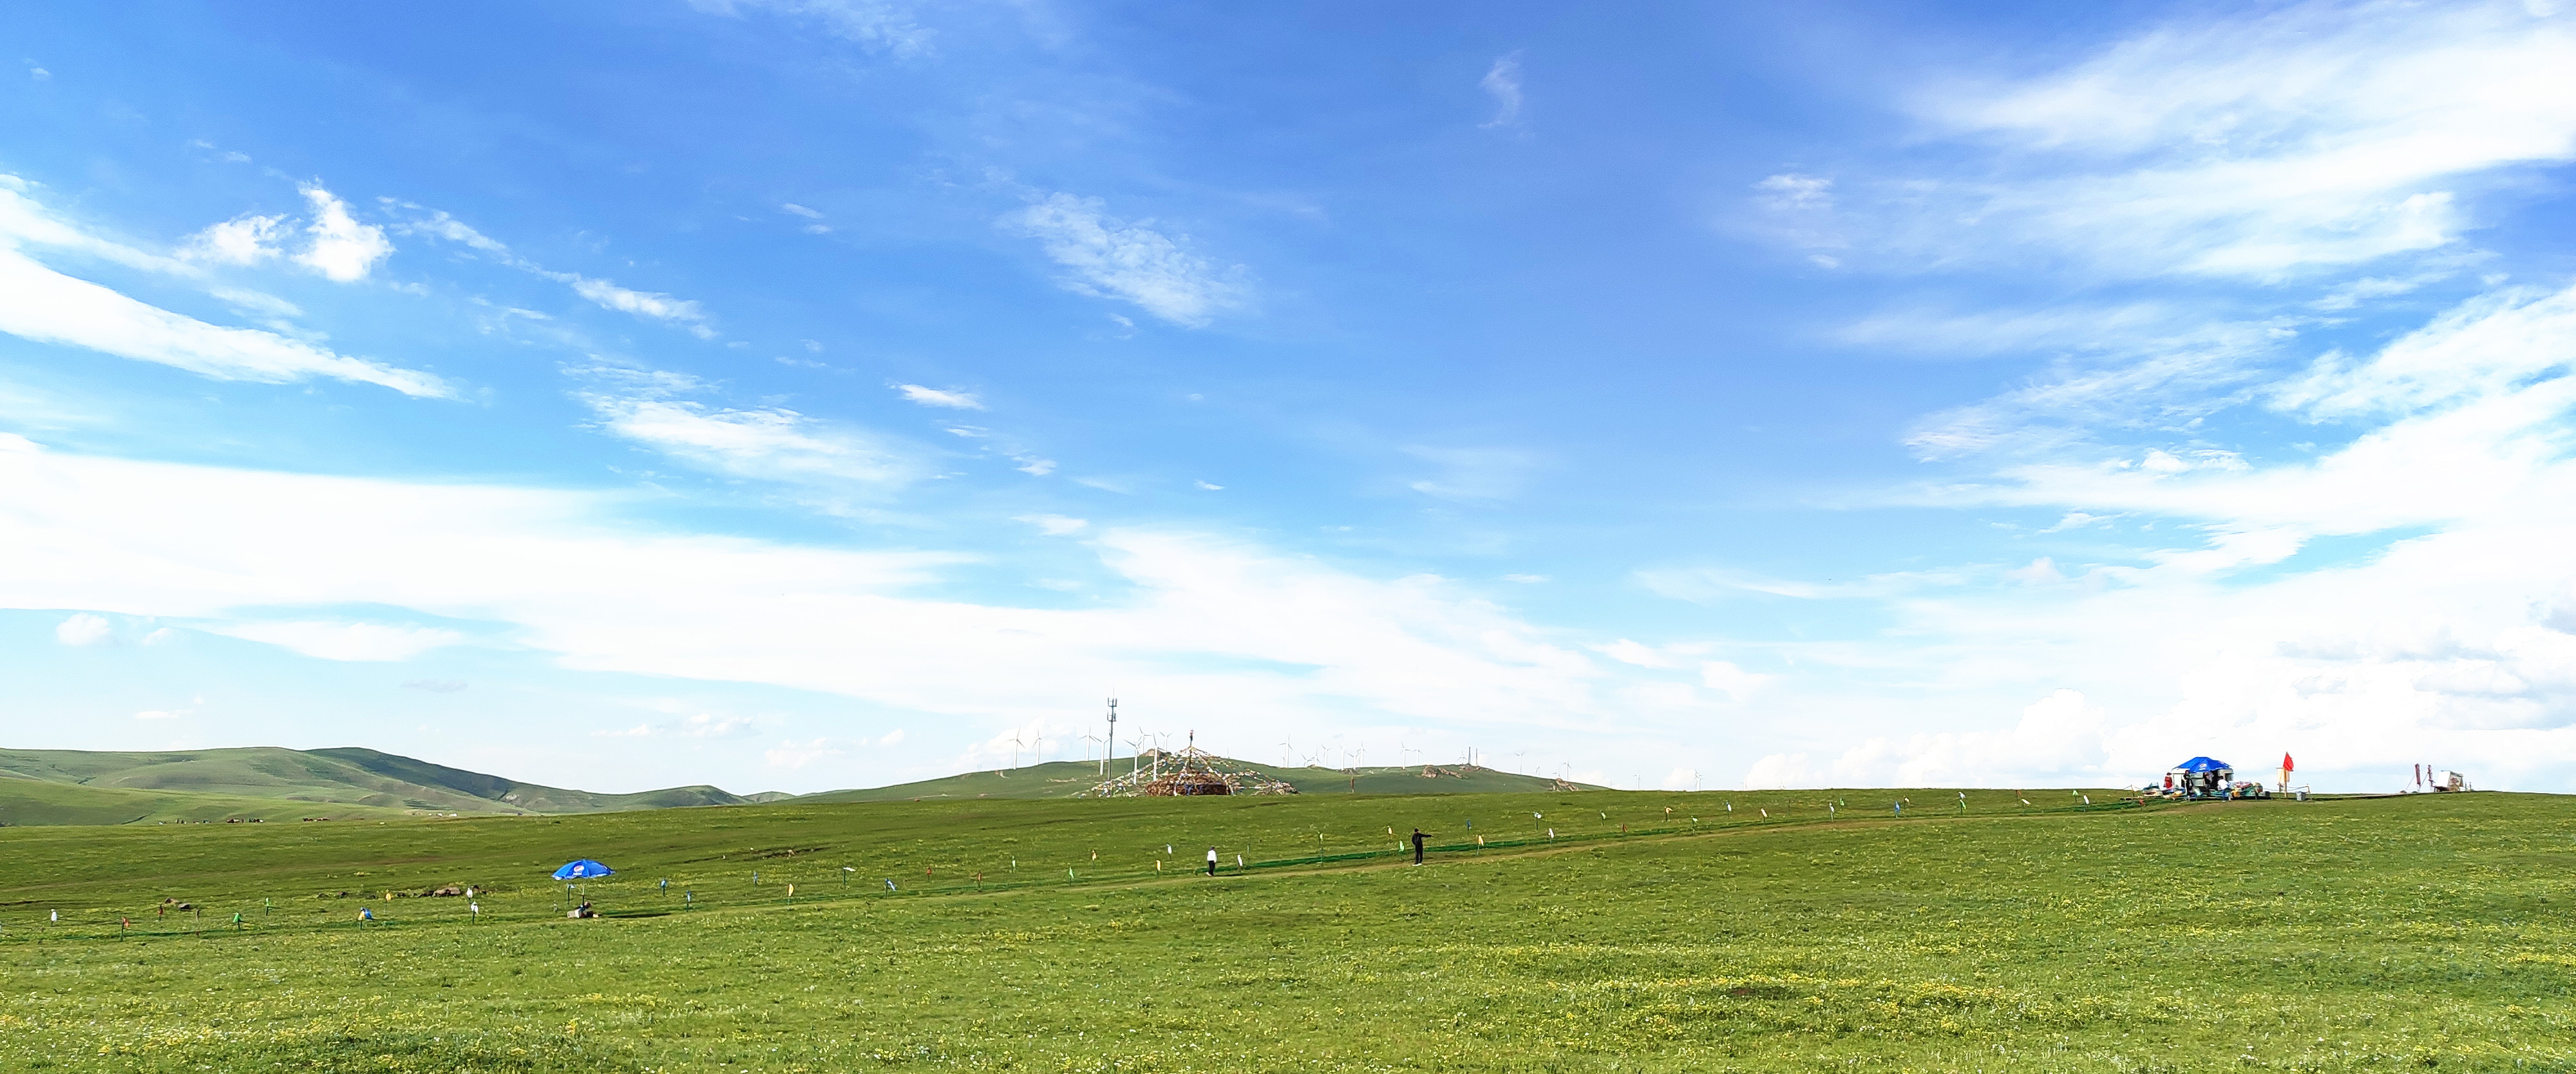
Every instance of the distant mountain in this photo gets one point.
(343, 776)
(268, 783)
(1065, 779)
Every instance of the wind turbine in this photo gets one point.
(1113, 737)
(1015, 749)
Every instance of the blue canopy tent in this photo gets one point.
(2201, 777)
(581, 869)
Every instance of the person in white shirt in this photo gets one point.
(1211, 861)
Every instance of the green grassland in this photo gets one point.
(30, 801)
(1651, 932)
(350, 776)
(1064, 779)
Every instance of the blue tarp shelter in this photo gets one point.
(2201, 777)
(582, 869)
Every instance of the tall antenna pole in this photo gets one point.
(1113, 738)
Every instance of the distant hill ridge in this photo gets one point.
(266, 783)
(343, 776)
(1065, 779)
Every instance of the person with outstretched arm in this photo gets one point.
(1211, 861)
(1418, 837)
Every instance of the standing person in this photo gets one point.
(1418, 837)
(1211, 861)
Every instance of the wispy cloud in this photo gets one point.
(1129, 260)
(2281, 142)
(1473, 474)
(1056, 525)
(336, 640)
(1502, 82)
(954, 400)
(1219, 625)
(40, 304)
(770, 443)
(686, 314)
(874, 23)
(661, 307)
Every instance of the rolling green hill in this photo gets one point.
(1065, 779)
(34, 801)
(344, 776)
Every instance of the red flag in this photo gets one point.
(2285, 763)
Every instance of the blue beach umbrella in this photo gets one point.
(582, 869)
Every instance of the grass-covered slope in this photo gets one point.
(1065, 779)
(345, 776)
(33, 801)
(1654, 932)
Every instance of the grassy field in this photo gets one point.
(2424, 933)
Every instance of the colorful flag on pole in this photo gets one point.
(2286, 766)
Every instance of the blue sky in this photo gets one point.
(807, 394)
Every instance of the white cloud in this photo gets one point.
(685, 313)
(1502, 82)
(334, 640)
(1036, 467)
(1735, 682)
(440, 225)
(874, 23)
(798, 755)
(801, 211)
(1473, 474)
(1222, 627)
(711, 725)
(1056, 525)
(41, 304)
(1129, 260)
(1791, 192)
(256, 302)
(894, 737)
(1648, 656)
(39, 74)
(1204, 486)
(242, 240)
(2278, 142)
(2451, 642)
(657, 306)
(83, 629)
(2060, 739)
(768, 443)
(955, 400)
(341, 248)
(702, 725)
(23, 221)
